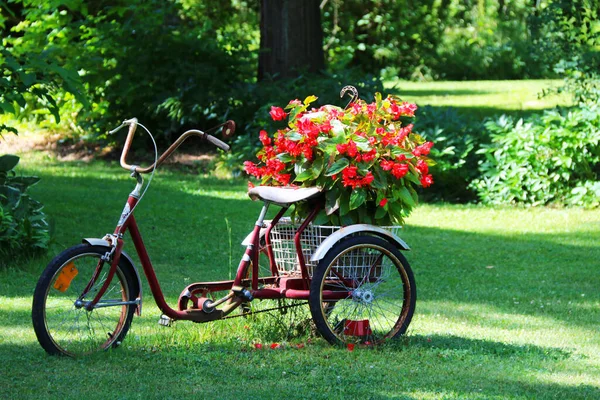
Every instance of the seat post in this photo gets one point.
(263, 213)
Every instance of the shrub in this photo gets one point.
(456, 137)
(24, 228)
(548, 158)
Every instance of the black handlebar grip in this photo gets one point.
(217, 142)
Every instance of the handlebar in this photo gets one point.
(228, 128)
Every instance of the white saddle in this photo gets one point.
(284, 195)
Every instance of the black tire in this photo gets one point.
(375, 291)
(64, 327)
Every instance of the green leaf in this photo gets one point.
(357, 198)
(8, 162)
(406, 197)
(344, 200)
(321, 218)
(285, 157)
(304, 175)
(380, 181)
(7, 107)
(337, 166)
(293, 136)
(9, 196)
(23, 182)
(380, 212)
(318, 166)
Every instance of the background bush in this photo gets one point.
(24, 228)
(456, 138)
(552, 158)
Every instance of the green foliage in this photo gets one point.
(552, 158)
(568, 34)
(161, 61)
(399, 37)
(456, 139)
(31, 77)
(490, 49)
(24, 229)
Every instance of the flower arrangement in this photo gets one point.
(365, 157)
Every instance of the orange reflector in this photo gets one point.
(65, 277)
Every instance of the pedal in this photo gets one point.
(165, 321)
(242, 293)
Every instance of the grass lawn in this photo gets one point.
(508, 303)
(482, 98)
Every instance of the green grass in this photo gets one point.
(508, 302)
(482, 98)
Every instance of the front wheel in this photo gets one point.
(363, 292)
(61, 321)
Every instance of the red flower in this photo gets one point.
(423, 149)
(349, 172)
(325, 127)
(386, 165)
(399, 170)
(264, 138)
(356, 108)
(426, 180)
(383, 202)
(366, 181)
(351, 178)
(408, 109)
(371, 108)
(277, 113)
(352, 149)
(422, 167)
(308, 128)
(284, 179)
(369, 156)
(348, 148)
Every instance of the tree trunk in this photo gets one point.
(291, 38)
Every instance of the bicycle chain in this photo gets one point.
(266, 310)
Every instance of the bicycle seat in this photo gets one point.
(284, 195)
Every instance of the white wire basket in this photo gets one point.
(282, 240)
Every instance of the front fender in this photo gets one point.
(128, 262)
(338, 235)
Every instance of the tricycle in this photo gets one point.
(358, 286)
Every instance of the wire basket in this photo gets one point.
(282, 240)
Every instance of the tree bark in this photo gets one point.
(291, 38)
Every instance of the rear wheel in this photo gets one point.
(61, 321)
(363, 292)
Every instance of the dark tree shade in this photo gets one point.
(291, 38)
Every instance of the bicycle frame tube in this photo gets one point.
(127, 222)
(251, 254)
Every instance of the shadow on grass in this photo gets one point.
(449, 345)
